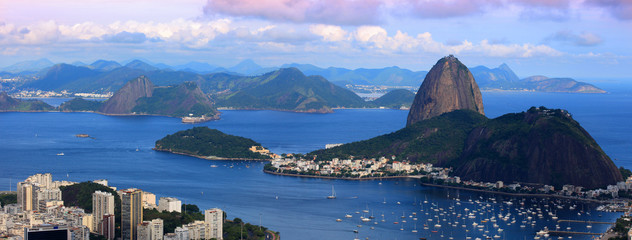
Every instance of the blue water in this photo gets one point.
(29, 143)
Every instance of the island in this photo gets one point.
(212, 144)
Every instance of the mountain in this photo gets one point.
(289, 89)
(545, 146)
(9, 104)
(141, 96)
(503, 78)
(29, 66)
(205, 142)
(438, 140)
(545, 84)
(248, 67)
(124, 100)
(140, 65)
(390, 76)
(80, 105)
(59, 75)
(104, 65)
(398, 98)
(197, 67)
(498, 78)
(448, 86)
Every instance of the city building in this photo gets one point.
(157, 229)
(182, 233)
(149, 200)
(131, 212)
(214, 219)
(102, 204)
(108, 226)
(27, 196)
(47, 232)
(169, 204)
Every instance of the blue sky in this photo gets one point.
(585, 39)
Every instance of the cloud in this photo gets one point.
(329, 32)
(125, 37)
(516, 50)
(341, 12)
(445, 8)
(620, 9)
(583, 39)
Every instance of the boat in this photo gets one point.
(348, 216)
(333, 193)
(213, 166)
(60, 154)
(338, 220)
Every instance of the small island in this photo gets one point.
(212, 144)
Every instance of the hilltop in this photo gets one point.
(209, 143)
(448, 86)
(9, 104)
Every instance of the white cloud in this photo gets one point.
(329, 32)
(516, 50)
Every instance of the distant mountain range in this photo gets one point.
(103, 75)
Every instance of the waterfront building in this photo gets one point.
(214, 219)
(103, 182)
(169, 204)
(42, 180)
(102, 204)
(131, 212)
(108, 226)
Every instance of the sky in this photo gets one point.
(584, 39)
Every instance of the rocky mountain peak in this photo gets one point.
(447, 87)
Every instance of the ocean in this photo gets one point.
(297, 207)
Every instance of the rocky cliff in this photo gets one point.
(124, 100)
(541, 145)
(447, 87)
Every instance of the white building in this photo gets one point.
(102, 204)
(214, 219)
(169, 204)
(182, 233)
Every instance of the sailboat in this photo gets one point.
(333, 193)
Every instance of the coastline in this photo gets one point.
(211, 157)
(330, 177)
(539, 195)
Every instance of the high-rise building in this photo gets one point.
(131, 212)
(149, 200)
(182, 233)
(88, 221)
(156, 229)
(42, 180)
(27, 196)
(108, 226)
(169, 204)
(102, 204)
(197, 230)
(143, 231)
(214, 219)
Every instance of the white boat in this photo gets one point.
(333, 193)
(338, 220)
(213, 166)
(60, 154)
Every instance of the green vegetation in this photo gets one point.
(625, 173)
(621, 227)
(80, 104)
(171, 220)
(8, 103)
(237, 229)
(9, 198)
(176, 101)
(288, 89)
(203, 141)
(437, 140)
(80, 195)
(395, 99)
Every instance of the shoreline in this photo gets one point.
(211, 157)
(538, 195)
(330, 177)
